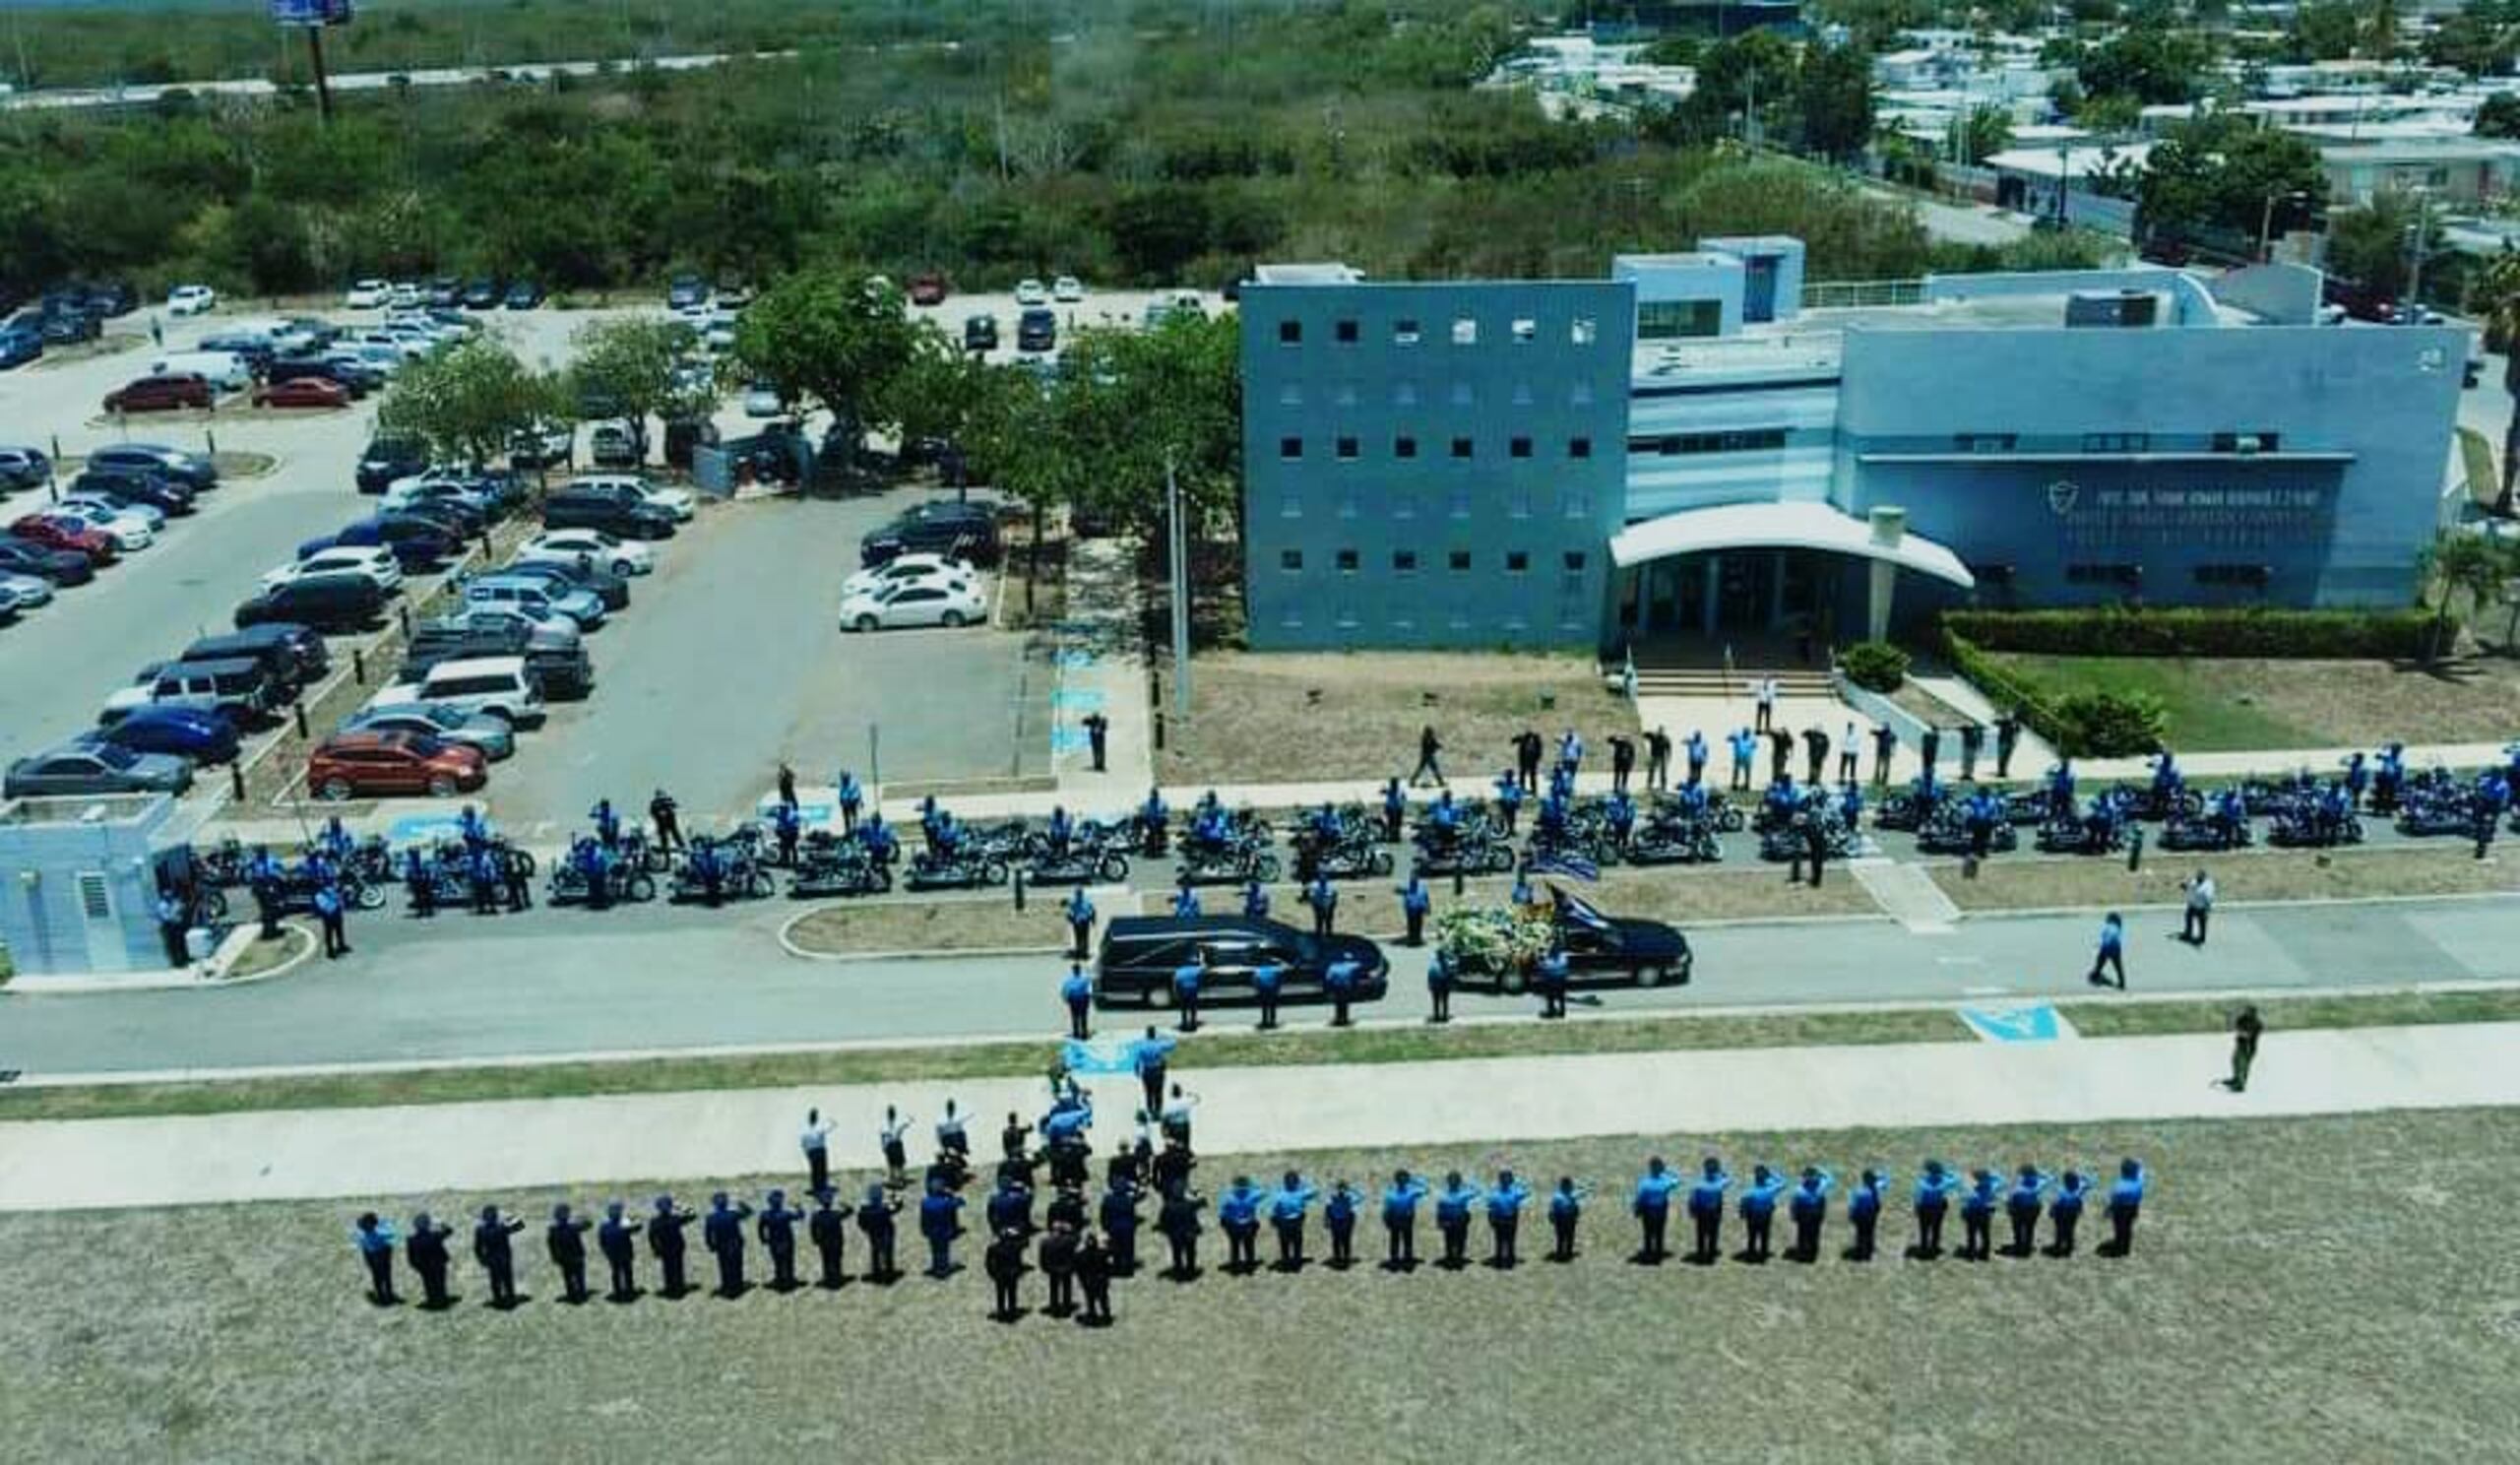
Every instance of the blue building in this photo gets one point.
(1700, 447)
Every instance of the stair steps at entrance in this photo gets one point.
(1693, 681)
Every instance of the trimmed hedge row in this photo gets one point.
(2197, 632)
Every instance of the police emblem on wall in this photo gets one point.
(2062, 495)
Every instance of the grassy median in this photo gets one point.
(2013, 883)
(2263, 1315)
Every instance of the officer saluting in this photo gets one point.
(875, 1223)
(374, 1238)
(724, 1235)
(617, 1240)
(566, 1240)
(827, 1229)
(490, 1249)
(777, 1227)
(666, 1239)
(1809, 1206)
(1178, 1220)
(425, 1250)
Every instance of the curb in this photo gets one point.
(2000, 914)
(208, 976)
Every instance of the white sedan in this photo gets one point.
(901, 569)
(762, 400)
(127, 530)
(190, 299)
(945, 602)
(681, 503)
(368, 294)
(98, 504)
(1031, 292)
(374, 561)
(566, 547)
(1067, 290)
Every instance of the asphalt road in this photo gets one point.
(730, 659)
(657, 978)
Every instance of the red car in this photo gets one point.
(166, 393)
(351, 765)
(303, 391)
(928, 288)
(66, 534)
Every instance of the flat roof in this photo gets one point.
(2435, 150)
(1328, 271)
(2071, 162)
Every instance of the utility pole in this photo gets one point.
(1179, 549)
(323, 87)
(2414, 314)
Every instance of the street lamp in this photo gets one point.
(2266, 220)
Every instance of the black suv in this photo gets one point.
(387, 458)
(1140, 953)
(332, 604)
(191, 470)
(1036, 330)
(616, 509)
(979, 332)
(125, 486)
(964, 531)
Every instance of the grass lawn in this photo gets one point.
(1256, 719)
(262, 956)
(2260, 1317)
(2009, 884)
(2215, 705)
(935, 926)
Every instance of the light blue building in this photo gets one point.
(1758, 457)
(79, 881)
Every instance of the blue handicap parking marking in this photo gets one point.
(422, 829)
(1100, 1056)
(2037, 1023)
(1088, 699)
(1067, 739)
(1075, 661)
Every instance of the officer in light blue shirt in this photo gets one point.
(1414, 903)
(851, 796)
(1080, 921)
(1706, 1210)
(374, 1237)
(1400, 1219)
(1255, 901)
(1453, 1205)
(2065, 1212)
(1509, 801)
(1932, 1201)
(1238, 1214)
(1978, 1215)
(1339, 979)
(1289, 1205)
(1758, 1210)
(1653, 1206)
(1809, 1207)
(1696, 746)
(1323, 896)
(1565, 1212)
(1864, 1212)
(2022, 1204)
(1185, 901)
(2125, 1202)
(1338, 1214)
(1505, 1202)
(1187, 980)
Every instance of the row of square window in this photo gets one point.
(1405, 561)
(1461, 393)
(1583, 330)
(1573, 503)
(1350, 449)
(2254, 576)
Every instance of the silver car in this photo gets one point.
(495, 739)
(76, 768)
(24, 592)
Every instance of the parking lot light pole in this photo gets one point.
(1180, 547)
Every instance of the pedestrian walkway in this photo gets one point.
(1907, 894)
(302, 1153)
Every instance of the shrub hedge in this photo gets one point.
(2196, 632)
(1875, 666)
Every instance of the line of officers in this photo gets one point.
(1076, 1255)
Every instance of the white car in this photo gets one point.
(374, 561)
(1031, 292)
(901, 569)
(98, 503)
(1067, 290)
(127, 530)
(681, 503)
(25, 591)
(762, 400)
(945, 602)
(190, 299)
(406, 295)
(368, 294)
(566, 547)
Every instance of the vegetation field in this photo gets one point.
(2265, 1314)
(2217, 703)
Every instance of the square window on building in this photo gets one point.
(1404, 561)
(1579, 503)
(1457, 501)
(1404, 446)
(1290, 395)
(1519, 447)
(1346, 449)
(1518, 562)
(1290, 561)
(1461, 447)
(1583, 331)
(1347, 561)
(1465, 330)
(1526, 332)
(1403, 394)
(1291, 333)
(1463, 396)
(1579, 447)
(1460, 562)
(1404, 332)
(1290, 448)
(1575, 561)
(1344, 331)
(1518, 504)
(1580, 394)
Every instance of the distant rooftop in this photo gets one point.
(1327, 273)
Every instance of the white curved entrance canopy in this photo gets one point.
(1783, 526)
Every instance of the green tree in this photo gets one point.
(2500, 116)
(2370, 245)
(2459, 564)
(469, 401)
(2325, 30)
(832, 336)
(1833, 96)
(2217, 173)
(2154, 65)
(1986, 132)
(625, 368)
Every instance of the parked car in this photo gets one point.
(19, 344)
(171, 392)
(503, 687)
(295, 654)
(681, 503)
(928, 288)
(162, 495)
(356, 379)
(406, 295)
(606, 587)
(113, 298)
(483, 294)
(23, 467)
(979, 332)
(194, 470)
(245, 689)
(190, 299)
(419, 543)
(336, 603)
(368, 294)
(684, 291)
(446, 291)
(904, 569)
(735, 293)
(69, 327)
(374, 561)
(387, 458)
(563, 672)
(304, 392)
(762, 400)
(542, 627)
(381, 764)
(204, 736)
(19, 594)
(81, 767)
(56, 531)
(964, 531)
(63, 567)
(1036, 331)
(492, 738)
(1067, 290)
(533, 596)
(568, 546)
(525, 294)
(544, 445)
(921, 602)
(1030, 291)
(1139, 954)
(131, 527)
(622, 514)
(616, 444)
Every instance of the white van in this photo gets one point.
(225, 371)
(501, 686)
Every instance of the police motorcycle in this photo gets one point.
(2435, 802)
(634, 850)
(952, 861)
(573, 877)
(2167, 796)
(1216, 849)
(1912, 807)
(1465, 844)
(1952, 828)
(2102, 830)
(828, 864)
(1678, 830)
(1342, 844)
(1787, 840)
(2224, 824)
(1096, 850)
(2320, 821)
(715, 871)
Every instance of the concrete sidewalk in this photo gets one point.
(541, 1143)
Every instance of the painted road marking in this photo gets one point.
(2036, 1023)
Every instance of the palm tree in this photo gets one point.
(2456, 563)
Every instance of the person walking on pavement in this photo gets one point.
(2200, 907)
(375, 1238)
(665, 1240)
(665, 814)
(328, 909)
(497, 1261)
(1076, 990)
(2112, 954)
(1429, 765)
(617, 1237)
(566, 1240)
(2247, 1028)
(425, 1250)
(815, 1141)
(1098, 735)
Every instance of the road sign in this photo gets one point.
(2038, 1023)
(311, 12)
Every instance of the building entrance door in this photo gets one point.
(1743, 592)
(1662, 583)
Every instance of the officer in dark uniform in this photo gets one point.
(1929, 752)
(875, 1223)
(1098, 735)
(790, 829)
(1178, 1220)
(1550, 977)
(518, 878)
(1815, 752)
(1339, 1217)
(1657, 759)
(1076, 990)
(1884, 740)
(1623, 762)
(1094, 1269)
(1395, 810)
(1779, 755)
(1706, 1210)
(667, 1242)
(566, 1238)
(618, 1239)
(941, 1220)
(2007, 737)
(1972, 738)
(777, 1227)
(722, 1232)
(787, 783)
(1119, 1217)
(171, 930)
(490, 1249)
(375, 1242)
(425, 1250)
(827, 1229)
(1004, 1263)
(1150, 1063)
(421, 882)
(666, 817)
(1058, 1268)
(482, 873)
(1527, 750)
(1440, 988)
(1414, 903)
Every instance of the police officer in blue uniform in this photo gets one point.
(1077, 991)
(941, 1220)
(1323, 896)
(1978, 1215)
(1339, 979)
(875, 1221)
(1414, 903)
(1287, 1207)
(566, 1240)
(426, 1248)
(828, 1228)
(1652, 1207)
(2125, 1204)
(374, 1238)
(1187, 978)
(2022, 1204)
(1080, 922)
(1238, 1213)
(722, 1232)
(1395, 811)
(1566, 1205)
(1505, 1202)
(1809, 1207)
(851, 796)
(777, 1228)
(1550, 977)
(1440, 988)
(1932, 1201)
(667, 1243)
(1706, 1210)
(1339, 1215)
(617, 1237)
(497, 1260)
(1453, 1205)
(1758, 1211)
(1255, 901)
(2065, 1212)
(1864, 1213)
(1268, 981)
